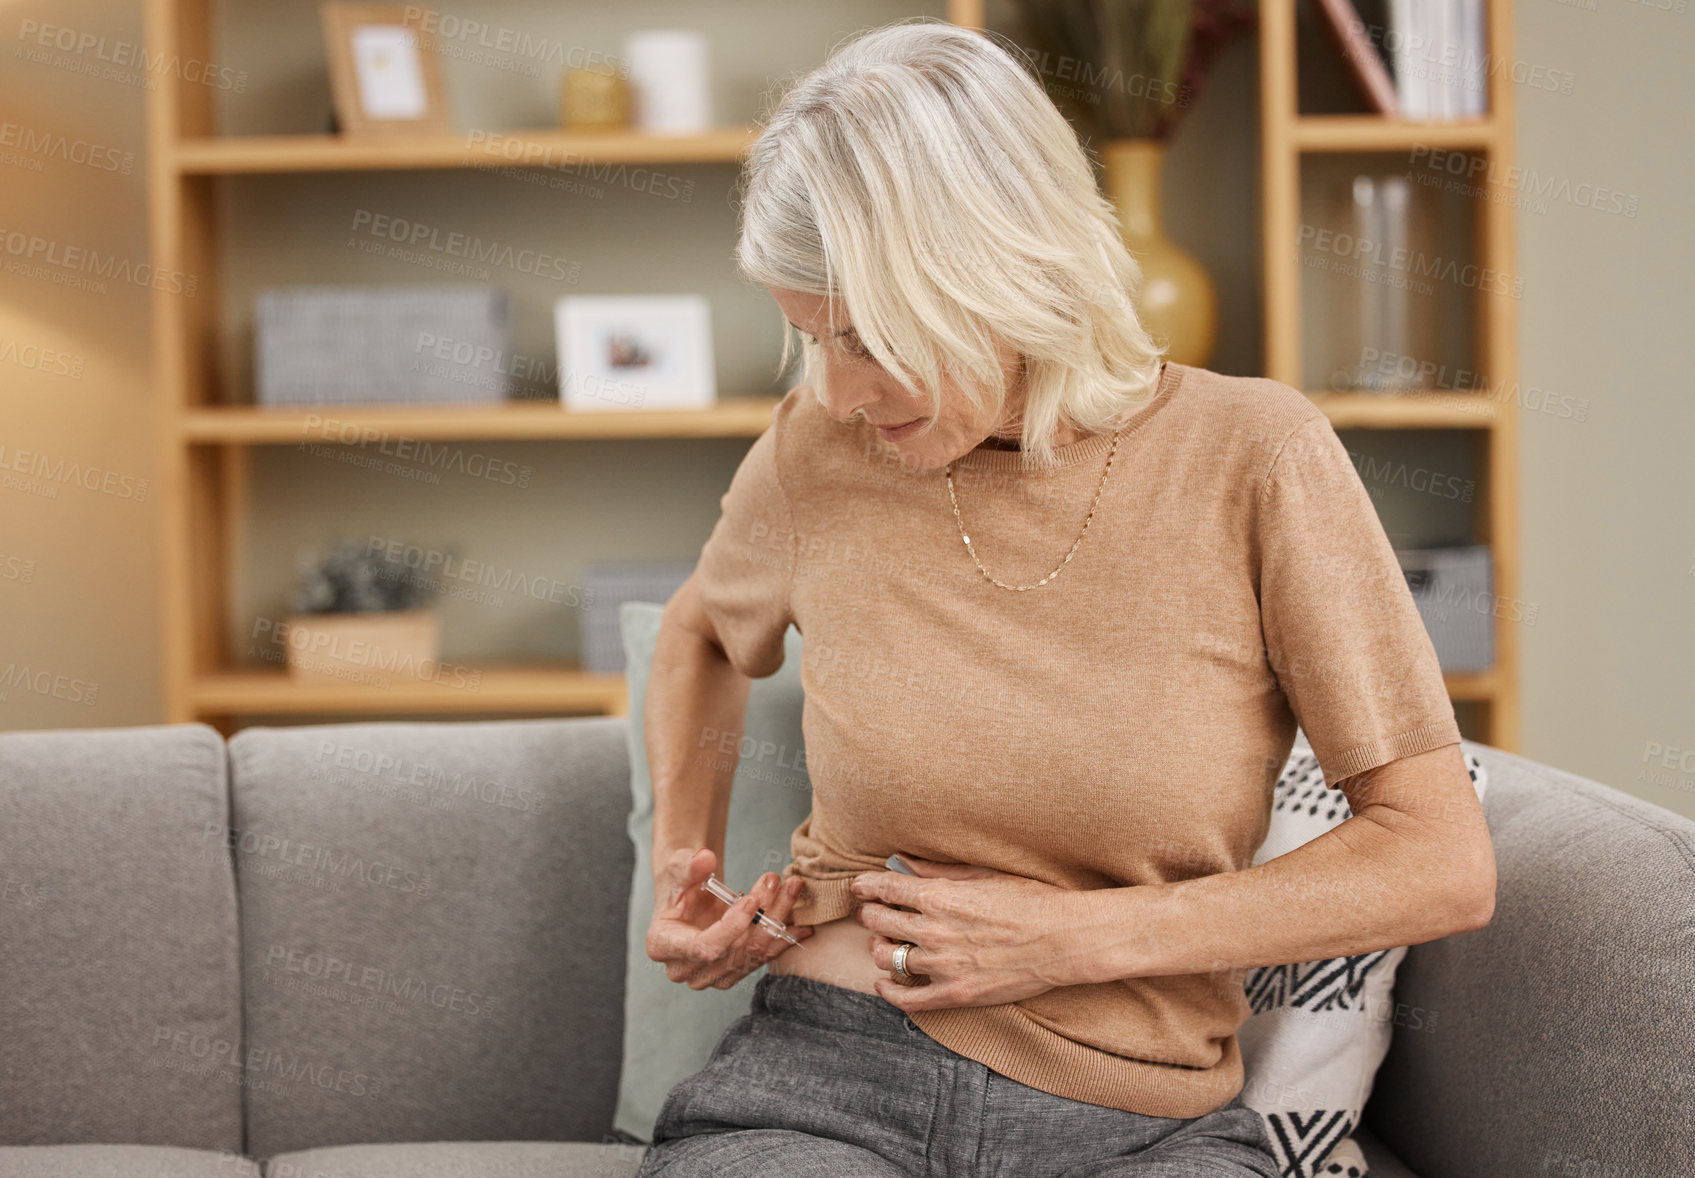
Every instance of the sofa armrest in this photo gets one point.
(1558, 1038)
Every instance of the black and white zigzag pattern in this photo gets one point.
(1303, 1140)
(1335, 984)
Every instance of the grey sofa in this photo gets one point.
(371, 950)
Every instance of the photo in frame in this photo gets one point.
(385, 74)
(633, 352)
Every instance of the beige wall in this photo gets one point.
(1609, 503)
(77, 597)
(1609, 539)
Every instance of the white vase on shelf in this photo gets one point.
(670, 79)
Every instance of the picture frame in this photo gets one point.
(385, 74)
(634, 352)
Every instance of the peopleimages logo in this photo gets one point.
(46, 683)
(34, 249)
(97, 54)
(46, 361)
(353, 766)
(526, 153)
(1379, 473)
(1476, 175)
(315, 857)
(332, 970)
(533, 370)
(1402, 261)
(447, 27)
(260, 1066)
(433, 457)
(53, 145)
(357, 659)
(432, 566)
(416, 235)
(16, 568)
(55, 472)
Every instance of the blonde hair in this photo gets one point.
(922, 178)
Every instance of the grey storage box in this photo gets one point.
(441, 344)
(1454, 591)
(606, 587)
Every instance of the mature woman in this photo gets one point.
(1063, 608)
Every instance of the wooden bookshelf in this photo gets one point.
(206, 445)
(1286, 137)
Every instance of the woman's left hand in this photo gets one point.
(982, 936)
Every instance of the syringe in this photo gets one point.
(716, 886)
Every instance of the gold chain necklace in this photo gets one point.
(954, 499)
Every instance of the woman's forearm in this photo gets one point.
(693, 713)
(1414, 863)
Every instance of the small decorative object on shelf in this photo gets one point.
(1454, 591)
(317, 345)
(607, 585)
(671, 81)
(1141, 64)
(359, 619)
(385, 75)
(625, 352)
(596, 98)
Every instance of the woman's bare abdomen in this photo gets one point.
(837, 952)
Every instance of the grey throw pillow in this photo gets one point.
(669, 1029)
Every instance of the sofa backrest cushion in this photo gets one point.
(432, 929)
(120, 994)
(1557, 1039)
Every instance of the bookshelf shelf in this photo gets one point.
(1287, 139)
(743, 417)
(498, 688)
(1431, 409)
(213, 156)
(1337, 133)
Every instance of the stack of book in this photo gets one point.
(1438, 50)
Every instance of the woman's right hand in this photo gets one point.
(702, 942)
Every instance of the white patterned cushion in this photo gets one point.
(1319, 1030)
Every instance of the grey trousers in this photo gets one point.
(820, 1081)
